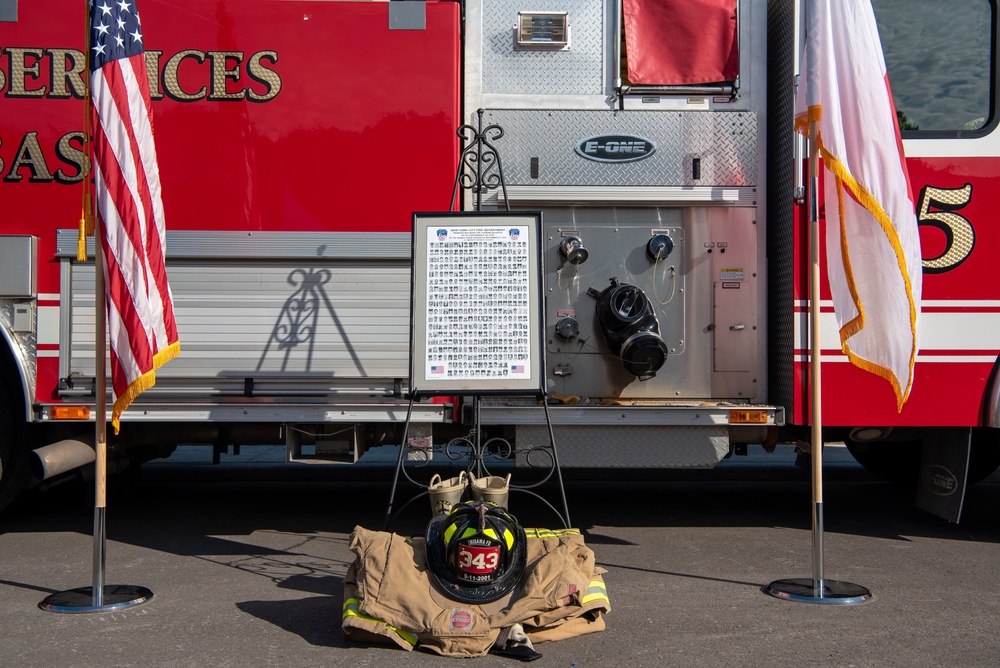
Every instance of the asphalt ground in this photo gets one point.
(246, 559)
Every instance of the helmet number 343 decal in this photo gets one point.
(478, 560)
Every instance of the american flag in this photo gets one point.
(517, 368)
(140, 310)
(438, 368)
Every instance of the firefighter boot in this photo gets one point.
(491, 488)
(446, 493)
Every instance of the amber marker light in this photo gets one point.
(69, 412)
(747, 417)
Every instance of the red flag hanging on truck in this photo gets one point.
(677, 42)
(872, 240)
(140, 312)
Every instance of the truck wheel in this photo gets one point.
(14, 470)
(899, 462)
(984, 458)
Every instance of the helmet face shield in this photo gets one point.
(477, 553)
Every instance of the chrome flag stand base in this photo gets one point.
(115, 597)
(99, 597)
(831, 591)
(817, 589)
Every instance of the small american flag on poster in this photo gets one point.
(517, 368)
(437, 368)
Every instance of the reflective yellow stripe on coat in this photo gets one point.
(351, 610)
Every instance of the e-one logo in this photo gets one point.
(939, 480)
(615, 148)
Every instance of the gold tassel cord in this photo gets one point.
(86, 227)
(86, 223)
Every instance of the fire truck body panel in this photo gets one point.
(954, 198)
(269, 134)
(700, 189)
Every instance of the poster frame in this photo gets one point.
(477, 228)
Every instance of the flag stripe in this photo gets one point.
(144, 151)
(119, 280)
(131, 361)
(117, 201)
(900, 153)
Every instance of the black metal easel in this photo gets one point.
(480, 170)
(474, 451)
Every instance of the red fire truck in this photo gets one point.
(297, 138)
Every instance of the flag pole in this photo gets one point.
(815, 368)
(817, 589)
(98, 597)
(100, 421)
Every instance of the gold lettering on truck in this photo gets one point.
(67, 67)
(171, 85)
(258, 72)
(68, 152)
(20, 70)
(153, 73)
(220, 72)
(29, 155)
(960, 237)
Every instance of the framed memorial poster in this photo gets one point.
(476, 324)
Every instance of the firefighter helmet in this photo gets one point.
(476, 553)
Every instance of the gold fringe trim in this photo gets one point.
(142, 383)
(135, 388)
(167, 354)
(846, 181)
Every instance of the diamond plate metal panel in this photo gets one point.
(607, 446)
(724, 142)
(24, 345)
(577, 70)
